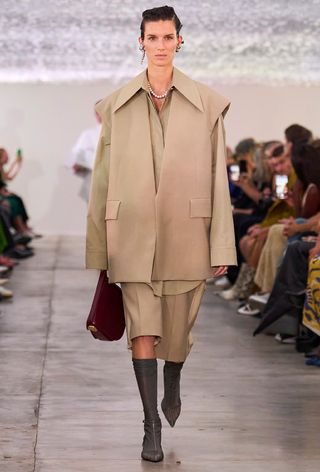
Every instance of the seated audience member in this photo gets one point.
(291, 222)
(14, 231)
(255, 186)
(252, 242)
(244, 156)
(6, 264)
(307, 168)
(18, 213)
(294, 136)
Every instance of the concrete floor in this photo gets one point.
(69, 403)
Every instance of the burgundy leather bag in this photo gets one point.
(106, 318)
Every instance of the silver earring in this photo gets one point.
(179, 46)
(141, 48)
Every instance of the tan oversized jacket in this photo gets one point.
(185, 228)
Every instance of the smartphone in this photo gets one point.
(281, 182)
(243, 166)
(234, 172)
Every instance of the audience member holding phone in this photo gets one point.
(251, 229)
(14, 167)
(251, 174)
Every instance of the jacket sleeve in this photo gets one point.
(222, 244)
(96, 241)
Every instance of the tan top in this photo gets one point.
(158, 127)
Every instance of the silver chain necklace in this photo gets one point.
(160, 97)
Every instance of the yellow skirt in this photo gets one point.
(169, 318)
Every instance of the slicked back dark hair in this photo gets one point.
(160, 14)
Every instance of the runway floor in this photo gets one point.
(69, 403)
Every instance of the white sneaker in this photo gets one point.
(230, 294)
(248, 310)
(222, 282)
(285, 338)
(5, 293)
(259, 298)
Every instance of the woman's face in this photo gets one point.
(160, 42)
(270, 159)
(283, 165)
(248, 157)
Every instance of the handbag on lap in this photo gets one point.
(106, 319)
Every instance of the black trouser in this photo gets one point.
(291, 280)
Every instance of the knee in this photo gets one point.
(144, 341)
(143, 347)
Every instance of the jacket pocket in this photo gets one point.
(112, 209)
(200, 208)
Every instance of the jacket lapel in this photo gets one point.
(131, 144)
(128, 91)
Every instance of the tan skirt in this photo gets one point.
(169, 318)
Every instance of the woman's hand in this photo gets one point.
(254, 231)
(243, 182)
(252, 228)
(220, 270)
(316, 249)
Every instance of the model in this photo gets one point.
(159, 217)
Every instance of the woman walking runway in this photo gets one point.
(159, 216)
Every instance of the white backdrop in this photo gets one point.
(45, 121)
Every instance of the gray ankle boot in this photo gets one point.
(147, 378)
(171, 403)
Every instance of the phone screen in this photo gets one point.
(281, 182)
(234, 170)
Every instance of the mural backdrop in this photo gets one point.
(233, 41)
